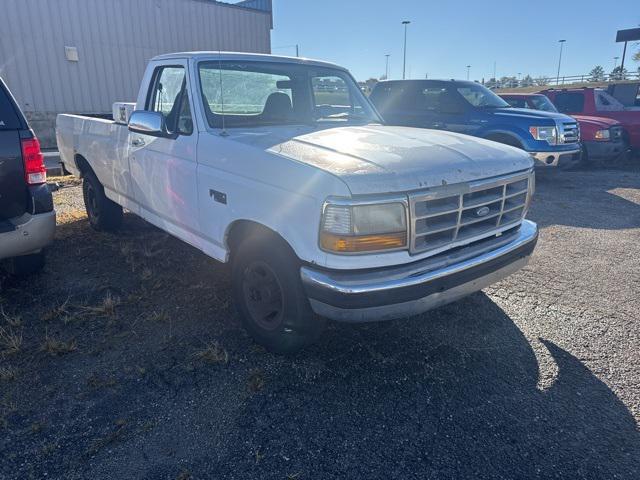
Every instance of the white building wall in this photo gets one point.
(114, 41)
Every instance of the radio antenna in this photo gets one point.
(223, 133)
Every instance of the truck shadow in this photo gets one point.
(607, 199)
(450, 395)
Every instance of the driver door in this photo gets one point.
(163, 169)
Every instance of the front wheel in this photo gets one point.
(270, 297)
(104, 214)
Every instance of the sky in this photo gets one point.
(445, 36)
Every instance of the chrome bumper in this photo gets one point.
(372, 295)
(552, 159)
(31, 234)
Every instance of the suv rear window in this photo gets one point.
(8, 118)
(569, 102)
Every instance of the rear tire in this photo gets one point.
(27, 264)
(270, 297)
(104, 214)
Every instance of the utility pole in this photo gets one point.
(404, 63)
(468, 69)
(386, 70)
(297, 50)
(561, 42)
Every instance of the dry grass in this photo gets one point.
(57, 311)
(10, 341)
(214, 353)
(11, 320)
(57, 347)
(256, 380)
(107, 307)
(8, 374)
(98, 382)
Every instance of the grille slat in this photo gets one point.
(442, 220)
(570, 132)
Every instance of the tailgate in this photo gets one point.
(13, 189)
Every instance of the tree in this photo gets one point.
(509, 82)
(618, 73)
(596, 74)
(527, 81)
(542, 81)
(491, 83)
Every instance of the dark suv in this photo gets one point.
(27, 217)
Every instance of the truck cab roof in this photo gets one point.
(246, 57)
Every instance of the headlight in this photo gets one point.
(603, 135)
(363, 228)
(548, 134)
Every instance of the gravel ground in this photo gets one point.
(125, 359)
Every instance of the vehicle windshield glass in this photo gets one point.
(541, 102)
(481, 97)
(279, 93)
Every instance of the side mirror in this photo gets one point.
(148, 123)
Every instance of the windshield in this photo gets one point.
(541, 102)
(481, 97)
(278, 93)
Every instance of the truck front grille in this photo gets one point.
(456, 215)
(570, 132)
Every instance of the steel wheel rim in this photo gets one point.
(263, 295)
(91, 199)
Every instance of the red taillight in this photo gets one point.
(35, 172)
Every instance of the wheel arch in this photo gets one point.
(242, 229)
(504, 137)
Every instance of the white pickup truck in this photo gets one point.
(282, 167)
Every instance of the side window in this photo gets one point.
(330, 91)
(569, 102)
(517, 102)
(432, 98)
(169, 97)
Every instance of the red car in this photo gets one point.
(598, 103)
(602, 138)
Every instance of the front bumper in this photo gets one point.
(27, 234)
(553, 159)
(363, 296)
(605, 150)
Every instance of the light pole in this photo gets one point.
(468, 69)
(404, 63)
(386, 70)
(561, 42)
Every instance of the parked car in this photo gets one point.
(27, 217)
(322, 211)
(602, 138)
(468, 107)
(597, 102)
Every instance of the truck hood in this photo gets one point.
(376, 159)
(529, 114)
(597, 122)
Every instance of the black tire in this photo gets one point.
(104, 215)
(269, 295)
(27, 264)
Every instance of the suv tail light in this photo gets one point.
(35, 172)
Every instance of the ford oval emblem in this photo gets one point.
(483, 211)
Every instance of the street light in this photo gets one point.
(468, 68)
(561, 42)
(386, 70)
(404, 63)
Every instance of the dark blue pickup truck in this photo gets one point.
(468, 107)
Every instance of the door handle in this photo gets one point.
(137, 142)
